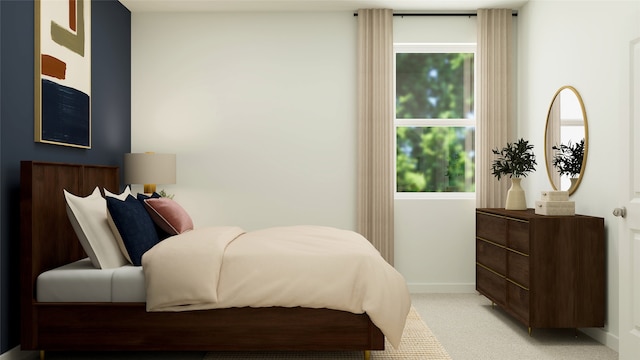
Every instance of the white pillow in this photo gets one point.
(125, 193)
(88, 216)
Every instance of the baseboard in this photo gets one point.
(442, 288)
(17, 354)
(602, 336)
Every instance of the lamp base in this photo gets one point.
(149, 188)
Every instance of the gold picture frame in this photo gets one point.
(63, 72)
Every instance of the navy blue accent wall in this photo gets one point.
(110, 121)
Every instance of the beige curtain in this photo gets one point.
(375, 129)
(495, 123)
(552, 139)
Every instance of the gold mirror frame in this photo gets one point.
(553, 136)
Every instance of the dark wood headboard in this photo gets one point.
(47, 239)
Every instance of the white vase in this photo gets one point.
(574, 182)
(515, 196)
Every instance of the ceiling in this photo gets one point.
(434, 6)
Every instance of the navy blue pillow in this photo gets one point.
(135, 226)
(143, 197)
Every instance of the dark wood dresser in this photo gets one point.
(546, 271)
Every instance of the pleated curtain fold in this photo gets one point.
(552, 132)
(375, 176)
(495, 123)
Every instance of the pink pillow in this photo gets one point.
(168, 215)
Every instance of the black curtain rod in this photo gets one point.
(436, 14)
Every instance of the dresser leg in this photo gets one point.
(367, 355)
(530, 329)
(41, 354)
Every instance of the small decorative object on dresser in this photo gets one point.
(515, 160)
(555, 202)
(545, 271)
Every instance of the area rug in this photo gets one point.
(418, 342)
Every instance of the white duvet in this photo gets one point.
(308, 266)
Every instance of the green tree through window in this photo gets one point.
(435, 123)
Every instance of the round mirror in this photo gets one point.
(566, 140)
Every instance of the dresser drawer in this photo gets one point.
(518, 299)
(492, 256)
(518, 268)
(492, 228)
(518, 235)
(491, 285)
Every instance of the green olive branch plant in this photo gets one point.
(515, 160)
(162, 193)
(567, 159)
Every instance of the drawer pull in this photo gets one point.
(502, 217)
(518, 285)
(517, 252)
(490, 270)
(491, 242)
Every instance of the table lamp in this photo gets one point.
(149, 169)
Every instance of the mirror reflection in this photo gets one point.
(566, 140)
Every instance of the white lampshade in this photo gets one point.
(149, 169)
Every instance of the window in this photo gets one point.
(434, 118)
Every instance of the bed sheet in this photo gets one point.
(80, 281)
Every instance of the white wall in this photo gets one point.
(584, 44)
(260, 109)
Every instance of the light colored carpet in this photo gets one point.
(471, 329)
(418, 342)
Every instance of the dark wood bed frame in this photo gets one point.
(48, 241)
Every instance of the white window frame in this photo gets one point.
(430, 48)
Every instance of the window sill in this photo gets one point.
(435, 196)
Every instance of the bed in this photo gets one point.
(48, 241)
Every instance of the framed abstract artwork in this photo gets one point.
(63, 72)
